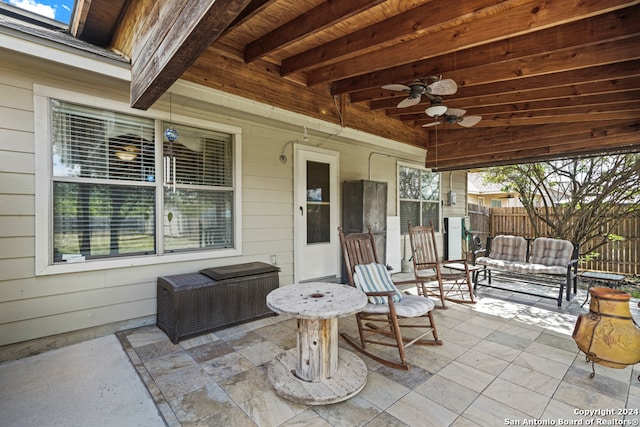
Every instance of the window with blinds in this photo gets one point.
(419, 193)
(198, 208)
(106, 184)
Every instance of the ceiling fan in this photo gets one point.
(417, 88)
(453, 115)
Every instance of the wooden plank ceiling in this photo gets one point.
(550, 79)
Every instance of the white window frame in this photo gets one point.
(416, 166)
(44, 185)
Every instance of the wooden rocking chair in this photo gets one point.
(447, 280)
(389, 311)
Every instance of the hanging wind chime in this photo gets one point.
(170, 161)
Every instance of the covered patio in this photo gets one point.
(273, 79)
(508, 360)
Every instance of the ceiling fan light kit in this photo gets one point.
(433, 91)
(436, 110)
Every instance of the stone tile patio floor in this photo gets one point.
(507, 360)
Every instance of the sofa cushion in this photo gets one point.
(508, 248)
(551, 252)
(542, 269)
(501, 264)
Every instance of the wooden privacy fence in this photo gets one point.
(617, 256)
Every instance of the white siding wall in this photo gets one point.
(36, 306)
(456, 181)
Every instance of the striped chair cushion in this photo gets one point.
(375, 278)
(410, 306)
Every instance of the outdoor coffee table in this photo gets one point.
(593, 277)
(315, 372)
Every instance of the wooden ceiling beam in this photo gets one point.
(170, 38)
(569, 84)
(252, 9)
(618, 145)
(454, 140)
(316, 19)
(612, 138)
(575, 145)
(519, 20)
(550, 86)
(537, 100)
(610, 26)
(587, 113)
(455, 144)
(600, 100)
(543, 93)
(553, 62)
(584, 76)
(419, 21)
(532, 118)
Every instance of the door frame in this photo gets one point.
(301, 154)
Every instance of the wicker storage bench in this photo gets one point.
(194, 303)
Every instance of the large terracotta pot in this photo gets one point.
(607, 334)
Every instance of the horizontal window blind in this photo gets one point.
(90, 143)
(409, 211)
(201, 157)
(431, 213)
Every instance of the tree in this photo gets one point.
(576, 199)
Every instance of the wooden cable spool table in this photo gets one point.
(316, 373)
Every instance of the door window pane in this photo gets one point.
(318, 203)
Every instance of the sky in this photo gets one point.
(60, 10)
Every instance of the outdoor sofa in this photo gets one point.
(541, 261)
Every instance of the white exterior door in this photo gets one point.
(316, 213)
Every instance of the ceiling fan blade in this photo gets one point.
(458, 112)
(444, 87)
(409, 102)
(428, 125)
(400, 88)
(469, 121)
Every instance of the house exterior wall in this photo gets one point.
(34, 306)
